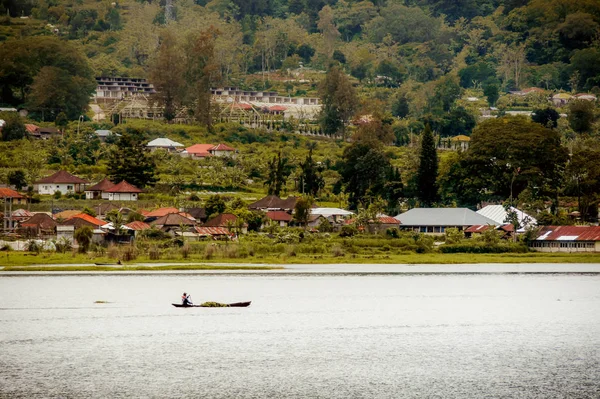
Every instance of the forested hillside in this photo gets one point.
(386, 71)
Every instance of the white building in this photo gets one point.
(61, 181)
(123, 192)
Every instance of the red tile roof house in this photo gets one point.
(567, 239)
(123, 192)
(224, 220)
(274, 203)
(98, 190)
(39, 225)
(198, 151)
(173, 223)
(61, 181)
(283, 219)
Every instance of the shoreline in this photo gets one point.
(327, 269)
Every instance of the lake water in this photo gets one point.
(306, 335)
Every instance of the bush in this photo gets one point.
(392, 232)
(483, 248)
(63, 245)
(128, 253)
(57, 194)
(154, 252)
(185, 250)
(337, 251)
(348, 231)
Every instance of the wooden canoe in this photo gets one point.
(222, 305)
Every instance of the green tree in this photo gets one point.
(491, 91)
(202, 72)
(17, 178)
(130, 160)
(166, 74)
(339, 101)
(583, 173)
(311, 180)
(509, 154)
(547, 117)
(427, 188)
(215, 205)
(581, 115)
(279, 170)
(363, 172)
(13, 128)
(83, 235)
(116, 218)
(48, 74)
(302, 209)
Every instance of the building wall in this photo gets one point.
(122, 196)
(565, 246)
(50, 188)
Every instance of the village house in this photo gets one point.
(41, 133)
(225, 220)
(216, 233)
(39, 225)
(281, 218)
(567, 239)
(10, 197)
(98, 190)
(198, 151)
(137, 227)
(164, 144)
(123, 191)
(437, 220)
(334, 215)
(103, 135)
(274, 203)
(61, 181)
(499, 215)
(222, 150)
(173, 223)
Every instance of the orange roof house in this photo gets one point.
(198, 151)
(83, 219)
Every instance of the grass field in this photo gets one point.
(14, 261)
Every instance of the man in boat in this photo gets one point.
(186, 299)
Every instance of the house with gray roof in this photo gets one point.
(499, 214)
(437, 220)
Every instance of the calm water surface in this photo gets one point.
(405, 335)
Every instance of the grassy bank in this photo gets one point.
(44, 262)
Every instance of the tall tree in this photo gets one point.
(427, 188)
(339, 101)
(311, 180)
(202, 73)
(130, 160)
(581, 115)
(279, 170)
(13, 128)
(166, 74)
(302, 209)
(48, 74)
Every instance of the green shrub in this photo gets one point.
(479, 247)
(348, 231)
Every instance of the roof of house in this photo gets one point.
(277, 108)
(274, 202)
(565, 96)
(197, 213)
(242, 106)
(22, 213)
(478, 228)
(279, 216)
(164, 143)
(41, 220)
(211, 231)
(69, 213)
(222, 147)
(330, 212)
(221, 220)
(31, 128)
(442, 217)
(498, 214)
(124, 187)
(104, 208)
(460, 137)
(137, 225)
(158, 212)
(9, 193)
(75, 220)
(172, 219)
(200, 150)
(62, 176)
(102, 185)
(385, 219)
(103, 133)
(569, 233)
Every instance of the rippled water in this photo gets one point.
(305, 336)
